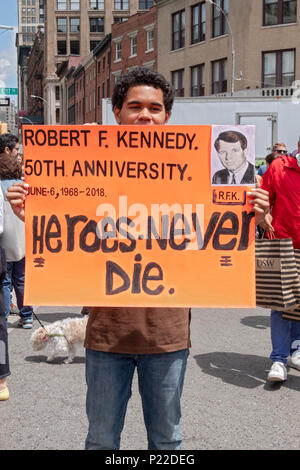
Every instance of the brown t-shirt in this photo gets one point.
(128, 330)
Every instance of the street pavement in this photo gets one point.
(226, 401)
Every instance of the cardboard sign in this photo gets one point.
(127, 215)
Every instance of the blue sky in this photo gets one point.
(8, 51)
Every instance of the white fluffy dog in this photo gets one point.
(61, 337)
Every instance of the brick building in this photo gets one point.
(131, 43)
(35, 74)
(102, 55)
(225, 47)
(66, 90)
(76, 27)
(134, 43)
(79, 78)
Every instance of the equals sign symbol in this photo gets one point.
(225, 261)
(39, 262)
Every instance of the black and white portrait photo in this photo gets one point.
(232, 155)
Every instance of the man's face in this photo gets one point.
(143, 104)
(14, 153)
(280, 150)
(232, 155)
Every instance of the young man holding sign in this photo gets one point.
(155, 341)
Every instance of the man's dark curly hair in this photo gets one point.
(10, 168)
(142, 76)
(8, 140)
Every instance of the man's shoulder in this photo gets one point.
(283, 161)
(250, 166)
(220, 176)
(249, 175)
(262, 169)
(221, 172)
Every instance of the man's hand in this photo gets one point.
(259, 198)
(16, 196)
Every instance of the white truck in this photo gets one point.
(277, 118)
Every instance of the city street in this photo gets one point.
(226, 403)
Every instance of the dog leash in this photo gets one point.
(37, 318)
(48, 334)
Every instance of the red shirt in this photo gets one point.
(282, 180)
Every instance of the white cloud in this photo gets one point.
(5, 67)
(8, 60)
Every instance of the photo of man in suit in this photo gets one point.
(231, 147)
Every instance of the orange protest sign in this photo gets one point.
(128, 215)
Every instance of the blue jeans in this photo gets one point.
(15, 276)
(109, 378)
(285, 337)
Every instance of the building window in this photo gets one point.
(150, 40)
(279, 12)
(71, 91)
(61, 4)
(75, 47)
(198, 23)
(219, 76)
(74, 5)
(57, 93)
(61, 25)
(197, 80)
(74, 25)
(97, 4)
(71, 114)
(177, 82)
(61, 47)
(220, 13)
(41, 12)
(93, 44)
(145, 4)
(178, 30)
(120, 19)
(96, 25)
(133, 46)
(278, 68)
(121, 4)
(118, 50)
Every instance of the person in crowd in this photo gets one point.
(263, 168)
(231, 147)
(12, 238)
(154, 341)
(4, 358)
(278, 149)
(282, 181)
